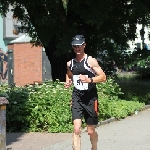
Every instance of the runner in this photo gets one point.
(84, 72)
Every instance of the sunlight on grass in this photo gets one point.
(134, 88)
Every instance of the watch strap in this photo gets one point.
(91, 80)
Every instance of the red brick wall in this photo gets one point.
(11, 46)
(27, 63)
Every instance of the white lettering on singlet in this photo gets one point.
(78, 84)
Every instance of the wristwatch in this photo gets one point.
(91, 80)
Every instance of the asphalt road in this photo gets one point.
(131, 133)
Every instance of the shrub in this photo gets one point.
(46, 107)
(110, 89)
(35, 108)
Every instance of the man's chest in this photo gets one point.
(79, 68)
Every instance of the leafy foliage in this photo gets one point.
(110, 89)
(39, 108)
(53, 23)
(109, 19)
(118, 109)
(46, 107)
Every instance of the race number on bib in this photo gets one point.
(78, 84)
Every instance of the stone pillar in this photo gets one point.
(3, 102)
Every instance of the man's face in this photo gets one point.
(78, 49)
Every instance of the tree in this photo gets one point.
(52, 23)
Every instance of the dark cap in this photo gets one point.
(78, 40)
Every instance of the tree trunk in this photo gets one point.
(58, 63)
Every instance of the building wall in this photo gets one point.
(3, 42)
(7, 26)
(27, 63)
(137, 43)
(10, 25)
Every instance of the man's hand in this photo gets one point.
(84, 79)
(67, 84)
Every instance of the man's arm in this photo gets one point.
(101, 77)
(69, 73)
(68, 76)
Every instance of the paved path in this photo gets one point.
(132, 133)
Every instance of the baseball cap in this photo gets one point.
(78, 40)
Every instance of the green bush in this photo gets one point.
(35, 108)
(46, 107)
(124, 108)
(117, 108)
(110, 89)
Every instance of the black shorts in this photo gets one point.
(86, 106)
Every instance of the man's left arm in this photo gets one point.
(100, 75)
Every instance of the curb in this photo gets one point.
(112, 120)
(101, 123)
(146, 107)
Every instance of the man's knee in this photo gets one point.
(77, 126)
(77, 130)
(91, 130)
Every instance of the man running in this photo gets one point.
(84, 72)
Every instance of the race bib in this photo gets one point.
(78, 84)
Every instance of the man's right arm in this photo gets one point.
(68, 76)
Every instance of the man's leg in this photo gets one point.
(93, 136)
(91, 119)
(76, 143)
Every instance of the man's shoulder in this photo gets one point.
(68, 63)
(90, 58)
(92, 61)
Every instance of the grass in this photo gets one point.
(134, 88)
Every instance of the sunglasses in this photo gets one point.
(76, 46)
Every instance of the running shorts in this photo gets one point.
(85, 106)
